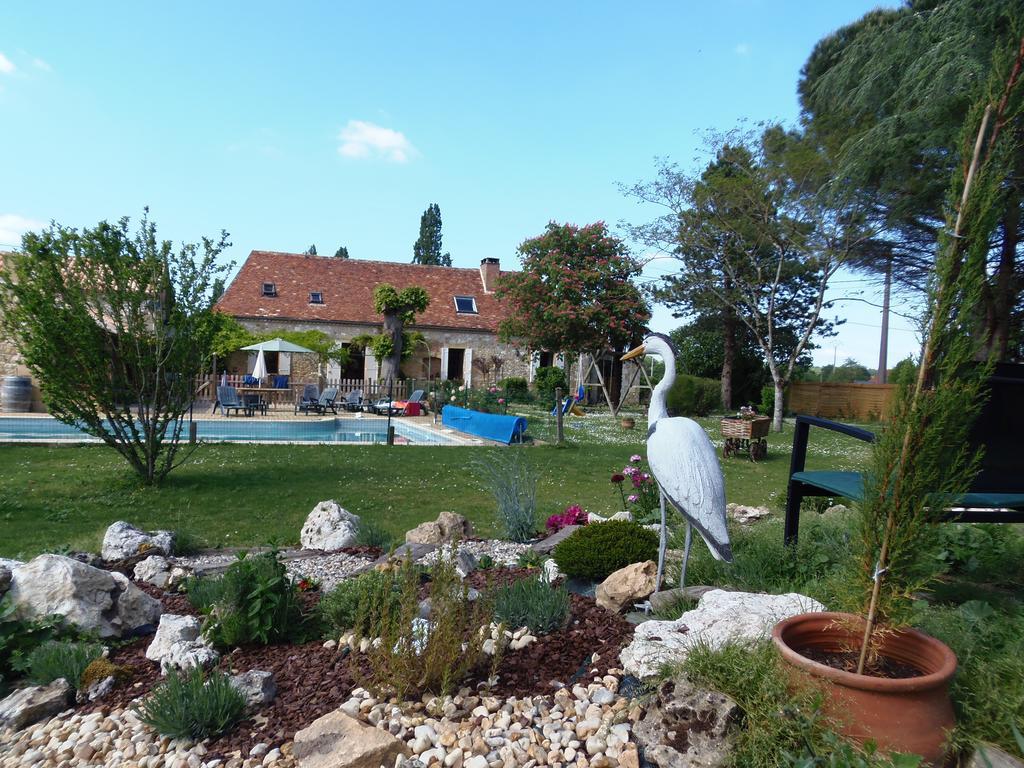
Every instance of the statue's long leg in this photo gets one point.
(686, 554)
(662, 542)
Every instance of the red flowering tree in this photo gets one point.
(575, 293)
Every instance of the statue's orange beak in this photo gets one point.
(635, 352)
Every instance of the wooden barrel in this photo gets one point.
(16, 394)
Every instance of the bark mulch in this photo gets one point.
(313, 680)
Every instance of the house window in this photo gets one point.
(270, 289)
(456, 364)
(465, 305)
(316, 297)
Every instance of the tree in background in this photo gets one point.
(575, 293)
(341, 253)
(848, 372)
(311, 251)
(701, 352)
(230, 336)
(394, 344)
(115, 327)
(758, 235)
(427, 248)
(887, 98)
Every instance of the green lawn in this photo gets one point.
(51, 497)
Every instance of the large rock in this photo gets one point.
(123, 540)
(625, 516)
(256, 686)
(329, 527)
(687, 727)
(745, 515)
(544, 546)
(447, 528)
(339, 741)
(719, 617)
(627, 585)
(90, 598)
(30, 705)
(178, 644)
(153, 570)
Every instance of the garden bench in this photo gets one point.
(995, 496)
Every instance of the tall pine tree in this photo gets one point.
(427, 248)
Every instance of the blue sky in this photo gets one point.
(337, 124)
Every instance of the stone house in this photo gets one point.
(286, 291)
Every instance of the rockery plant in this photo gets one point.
(513, 482)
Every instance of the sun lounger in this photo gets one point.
(228, 400)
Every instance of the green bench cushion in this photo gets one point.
(850, 485)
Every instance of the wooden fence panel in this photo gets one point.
(859, 402)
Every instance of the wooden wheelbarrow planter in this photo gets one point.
(746, 436)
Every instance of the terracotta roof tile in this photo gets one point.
(347, 287)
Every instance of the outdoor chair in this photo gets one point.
(401, 407)
(326, 401)
(228, 400)
(249, 380)
(995, 496)
(281, 382)
(255, 403)
(354, 400)
(310, 398)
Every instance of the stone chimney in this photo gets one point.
(490, 269)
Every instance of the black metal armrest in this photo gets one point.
(802, 431)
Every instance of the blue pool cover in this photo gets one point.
(493, 426)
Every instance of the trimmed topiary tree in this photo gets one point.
(596, 551)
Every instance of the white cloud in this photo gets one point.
(6, 65)
(13, 226)
(742, 49)
(41, 64)
(361, 139)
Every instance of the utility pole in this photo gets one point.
(883, 347)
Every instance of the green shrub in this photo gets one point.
(516, 388)
(530, 558)
(18, 638)
(340, 607)
(373, 535)
(254, 602)
(595, 551)
(547, 380)
(532, 603)
(185, 706)
(55, 659)
(485, 563)
(416, 656)
(513, 482)
(693, 396)
(203, 591)
(767, 404)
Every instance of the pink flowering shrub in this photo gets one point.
(573, 515)
(644, 498)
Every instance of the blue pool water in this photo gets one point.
(339, 430)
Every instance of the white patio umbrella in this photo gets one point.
(260, 370)
(276, 345)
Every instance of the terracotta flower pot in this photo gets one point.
(898, 714)
(628, 422)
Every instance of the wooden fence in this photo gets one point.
(206, 386)
(858, 402)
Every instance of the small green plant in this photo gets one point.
(100, 669)
(55, 659)
(373, 535)
(547, 379)
(203, 591)
(532, 603)
(516, 388)
(513, 482)
(694, 396)
(186, 543)
(595, 551)
(485, 563)
(19, 637)
(187, 706)
(340, 608)
(530, 558)
(257, 603)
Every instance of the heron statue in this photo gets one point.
(684, 464)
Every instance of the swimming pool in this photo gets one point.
(337, 430)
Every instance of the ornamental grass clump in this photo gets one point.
(532, 603)
(413, 655)
(509, 477)
(55, 659)
(597, 550)
(187, 705)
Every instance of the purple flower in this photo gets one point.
(636, 457)
(633, 498)
(617, 478)
(630, 471)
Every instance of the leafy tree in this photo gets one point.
(394, 344)
(230, 336)
(427, 248)
(115, 326)
(575, 293)
(341, 253)
(905, 372)
(311, 251)
(846, 373)
(701, 351)
(887, 98)
(758, 235)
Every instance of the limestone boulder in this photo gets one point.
(719, 617)
(329, 527)
(256, 686)
(155, 570)
(38, 702)
(123, 540)
(178, 644)
(627, 585)
(686, 726)
(90, 598)
(546, 546)
(337, 740)
(624, 515)
(447, 528)
(745, 515)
